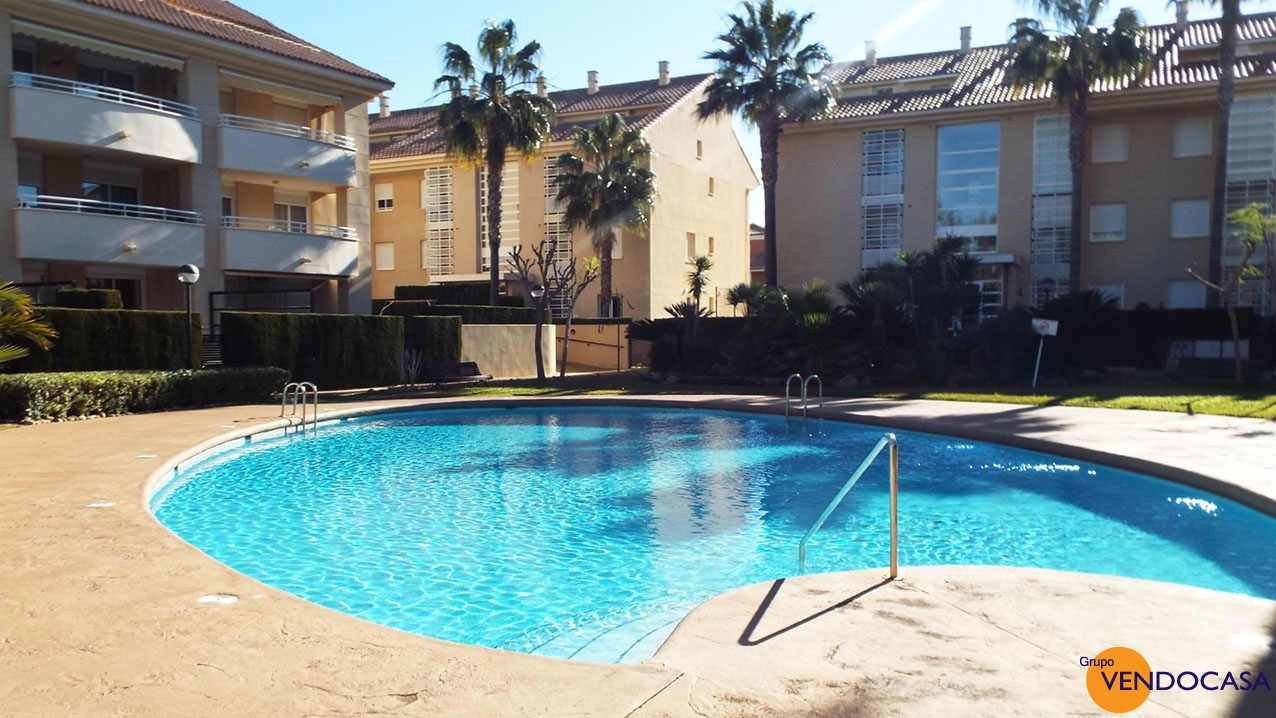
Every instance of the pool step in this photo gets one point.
(630, 642)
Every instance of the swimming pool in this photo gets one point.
(588, 533)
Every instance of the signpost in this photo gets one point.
(1044, 328)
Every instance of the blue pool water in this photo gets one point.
(589, 532)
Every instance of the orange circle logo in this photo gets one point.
(1119, 680)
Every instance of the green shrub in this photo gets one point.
(335, 351)
(468, 314)
(73, 298)
(468, 294)
(113, 339)
(69, 394)
(438, 339)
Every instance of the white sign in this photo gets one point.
(1046, 327)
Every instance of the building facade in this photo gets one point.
(138, 136)
(924, 147)
(429, 222)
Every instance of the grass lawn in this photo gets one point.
(1257, 403)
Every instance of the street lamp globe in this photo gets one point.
(538, 291)
(188, 274)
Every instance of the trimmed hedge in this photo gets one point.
(335, 351)
(468, 314)
(466, 294)
(73, 298)
(113, 339)
(437, 338)
(68, 394)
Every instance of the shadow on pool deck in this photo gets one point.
(747, 638)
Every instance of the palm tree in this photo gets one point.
(767, 76)
(698, 278)
(607, 187)
(502, 116)
(17, 321)
(1070, 60)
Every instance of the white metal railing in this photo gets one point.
(282, 128)
(300, 390)
(102, 92)
(805, 385)
(118, 209)
(886, 440)
(283, 225)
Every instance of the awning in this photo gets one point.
(255, 84)
(62, 37)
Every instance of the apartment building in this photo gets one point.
(929, 146)
(429, 222)
(141, 135)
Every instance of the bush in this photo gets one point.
(73, 298)
(467, 294)
(68, 394)
(438, 339)
(113, 339)
(334, 351)
(468, 314)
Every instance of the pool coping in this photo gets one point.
(676, 682)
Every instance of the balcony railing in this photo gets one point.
(118, 209)
(102, 92)
(283, 128)
(283, 225)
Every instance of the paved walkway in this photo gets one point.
(99, 611)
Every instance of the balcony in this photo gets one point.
(81, 230)
(255, 244)
(275, 148)
(52, 109)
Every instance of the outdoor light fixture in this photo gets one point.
(538, 291)
(188, 274)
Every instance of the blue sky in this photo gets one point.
(401, 38)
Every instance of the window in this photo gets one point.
(1251, 177)
(691, 246)
(107, 72)
(553, 183)
(437, 255)
(966, 201)
(291, 217)
(710, 186)
(509, 214)
(1111, 144)
(28, 195)
(23, 60)
(1189, 218)
(711, 246)
(1184, 294)
(384, 259)
(1193, 137)
(384, 194)
(882, 196)
(1111, 291)
(1107, 223)
(1051, 209)
(102, 192)
(130, 289)
(228, 206)
(699, 149)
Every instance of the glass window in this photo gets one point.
(1111, 144)
(23, 60)
(966, 202)
(1107, 222)
(691, 246)
(1193, 137)
(1184, 294)
(384, 195)
(1190, 218)
(290, 218)
(384, 258)
(882, 197)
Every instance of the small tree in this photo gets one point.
(560, 278)
(1253, 228)
(18, 321)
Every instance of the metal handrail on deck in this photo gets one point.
(868, 461)
(301, 389)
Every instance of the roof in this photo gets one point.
(221, 20)
(981, 74)
(415, 132)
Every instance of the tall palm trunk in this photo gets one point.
(495, 168)
(769, 130)
(1226, 92)
(1076, 156)
(605, 245)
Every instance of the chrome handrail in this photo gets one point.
(244, 122)
(119, 209)
(301, 389)
(788, 383)
(315, 229)
(807, 381)
(102, 92)
(846, 488)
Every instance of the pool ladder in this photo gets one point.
(805, 385)
(300, 390)
(887, 439)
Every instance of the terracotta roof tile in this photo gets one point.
(222, 20)
(982, 79)
(415, 132)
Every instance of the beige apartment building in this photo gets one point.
(428, 224)
(141, 135)
(928, 146)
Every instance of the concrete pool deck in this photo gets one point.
(99, 611)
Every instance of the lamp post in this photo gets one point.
(538, 294)
(188, 275)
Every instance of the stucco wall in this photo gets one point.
(594, 346)
(507, 351)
